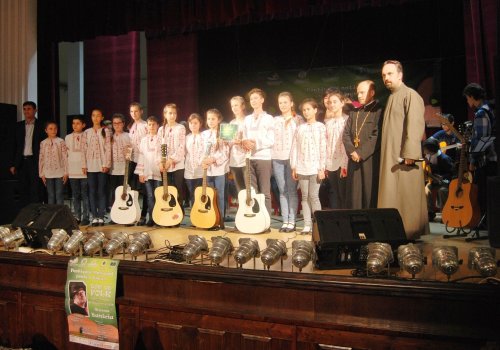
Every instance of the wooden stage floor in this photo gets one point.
(164, 238)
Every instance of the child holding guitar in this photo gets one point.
(193, 171)
(308, 160)
(120, 141)
(216, 161)
(148, 166)
(173, 135)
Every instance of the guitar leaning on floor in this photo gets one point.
(126, 209)
(461, 209)
(167, 210)
(205, 211)
(252, 216)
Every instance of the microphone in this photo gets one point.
(401, 161)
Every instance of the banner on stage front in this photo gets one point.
(90, 302)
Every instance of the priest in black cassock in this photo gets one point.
(362, 144)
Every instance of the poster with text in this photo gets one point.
(90, 302)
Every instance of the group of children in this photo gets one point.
(295, 150)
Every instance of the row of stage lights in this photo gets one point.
(380, 255)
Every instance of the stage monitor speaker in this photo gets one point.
(341, 237)
(38, 220)
(493, 211)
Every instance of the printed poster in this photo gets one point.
(90, 302)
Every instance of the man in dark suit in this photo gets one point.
(28, 134)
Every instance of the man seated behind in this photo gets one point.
(439, 173)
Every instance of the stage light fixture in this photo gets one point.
(379, 257)
(302, 253)
(13, 239)
(248, 249)
(276, 249)
(4, 231)
(445, 259)
(119, 240)
(94, 243)
(75, 242)
(139, 245)
(221, 246)
(410, 259)
(482, 259)
(196, 245)
(57, 240)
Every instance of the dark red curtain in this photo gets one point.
(112, 73)
(173, 74)
(480, 25)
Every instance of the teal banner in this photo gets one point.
(90, 302)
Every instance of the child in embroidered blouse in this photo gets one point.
(217, 159)
(173, 135)
(137, 128)
(237, 154)
(77, 179)
(96, 162)
(53, 164)
(148, 167)
(120, 141)
(195, 152)
(308, 160)
(336, 156)
(285, 126)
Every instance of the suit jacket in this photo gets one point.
(19, 135)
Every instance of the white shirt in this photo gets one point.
(309, 149)
(28, 138)
(119, 148)
(53, 161)
(219, 151)
(149, 158)
(96, 149)
(136, 132)
(261, 130)
(74, 143)
(237, 154)
(195, 152)
(283, 136)
(175, 139)
(336, 156)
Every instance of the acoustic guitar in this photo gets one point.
(126, 209)
(167, 210)
(461, 209)
(205, 211)
(252, 216)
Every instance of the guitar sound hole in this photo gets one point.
(208, 203)
(172, 201)
(256, 207)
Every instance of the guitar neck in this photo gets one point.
(462, 166)
(204, 183)
(247, 179)
(165, 178)
(125, 177)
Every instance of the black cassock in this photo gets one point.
(362, 177)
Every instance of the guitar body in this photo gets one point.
(128, 211)
(167, 211)
(461, 208)
(205, 210)
(252, 218)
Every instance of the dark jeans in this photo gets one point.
(151, 185)
(239, 177)
(55, 190)
(133, 180)
(80, 190)
(191, 185)
(97, 193)
(219, 183)
(31, 189)
(261, 172)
